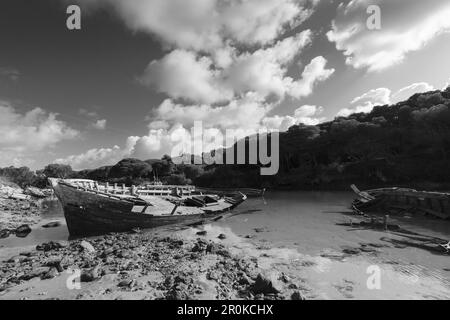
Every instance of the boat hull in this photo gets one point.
(432, 203)
(88, 213)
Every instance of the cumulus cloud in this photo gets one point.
(407, 26)
(246, 112)
(206, 25)
(151, 146)
(22, 134)
(182, 74)
(98, 157)
(314, 72)
(33, 130)
(383, 96)
(186, 75)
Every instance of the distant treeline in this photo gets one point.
(128, 171)
(406, 144)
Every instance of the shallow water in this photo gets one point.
(297, 233)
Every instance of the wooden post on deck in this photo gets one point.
(107, 187)
(133, 190)
(115, 188)
(123, 188)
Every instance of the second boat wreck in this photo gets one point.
(91, 209)
(436, 204)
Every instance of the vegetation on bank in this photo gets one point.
(405, 144)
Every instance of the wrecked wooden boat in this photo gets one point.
(94, 211)
(436, 204)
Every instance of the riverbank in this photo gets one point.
(143, 266)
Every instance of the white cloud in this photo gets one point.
(383, 96)
(314, 72)
(366, 102)
(306, 114)
(100, 124)
(264, 70)
(405, 93)
(33, 130)
(185, 75)
(98, 157)
(246, 112)
(206, 25)
(153, 145)
(22, 135)
(181, 74)
(407, 26)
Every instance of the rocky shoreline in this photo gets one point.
(16, 216)
(133, 265)
(142, 266)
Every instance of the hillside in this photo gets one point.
(403, 144)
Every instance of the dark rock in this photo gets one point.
(264, 285)
(222, 236)
(244, 280)
(90, 275)
(48, 246)
(212, 248)
(200, 246)
(178, 292)
(284, 278)
(23, 231)
(201, 233)
(17, 259)
(107, 252)
(37, 272)
(125, 283)
(224, 253)
(351, 251)
(55, 263)
(292, 286)
(297, 295)
(52, 224)
(52, 273)
(169, 282)
(4, 233)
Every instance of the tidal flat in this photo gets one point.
(290, 245)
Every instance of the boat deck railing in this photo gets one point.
(148, 190)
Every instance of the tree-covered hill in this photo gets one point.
(406, 144)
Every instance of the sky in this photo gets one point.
(138, 74)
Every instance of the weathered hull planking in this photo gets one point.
(89, 213)
(432, 203)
